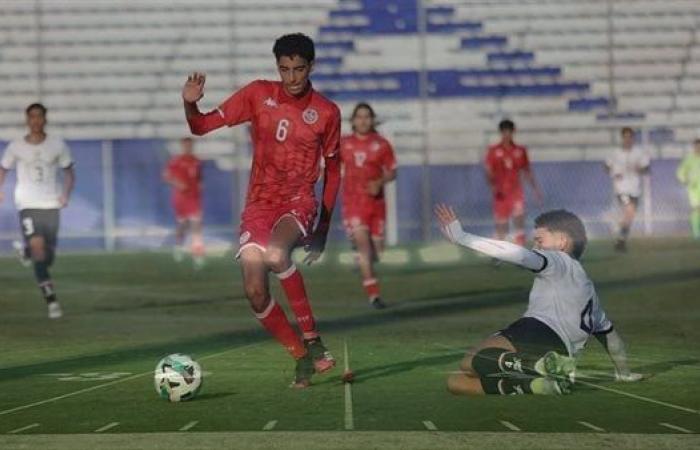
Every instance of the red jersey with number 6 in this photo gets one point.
(364, 159)
(290, 135)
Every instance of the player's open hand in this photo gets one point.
(449, 223)
(629, 377)
(194, 87)
(316, 247)
(445, 214)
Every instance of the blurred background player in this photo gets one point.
(626, 166)
(536, 354)
(293, 127)
(688, 173)
(184, 174)
(38, 196)
(504, 163)
(368, 164)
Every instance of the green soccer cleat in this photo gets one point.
(559, 367)
(303, 372)
(548, 386)
(322, 359)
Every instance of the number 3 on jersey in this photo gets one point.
(282, 130)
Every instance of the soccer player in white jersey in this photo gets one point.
(38, 195)
(626, 167)
(536, 354)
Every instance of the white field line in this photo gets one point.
(639, 397)
(430, 426)
(189, 425)
(509, 425)
(19, 430)
(269, 426)
(591, 426)
(109, 426)
(349, 420)
(675, 428)
(111, 383)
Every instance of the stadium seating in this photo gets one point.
(556, 66)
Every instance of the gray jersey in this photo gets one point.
(37, 169)
(625, 169)
(564, 298)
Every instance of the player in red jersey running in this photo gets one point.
(368, 164)
(504, 163)
(184, 174)
(293, 127)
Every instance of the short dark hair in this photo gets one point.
(506, 124)
(38, 106)
(296, 44)
(566, 222)
(363, 105)
(627, 130)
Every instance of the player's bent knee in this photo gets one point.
(276, 259)
(460, 384)
(257, 295)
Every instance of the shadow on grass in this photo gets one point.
(412, 309)
(223, 341)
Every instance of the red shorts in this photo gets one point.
(368, 216)
(258, 222)
(507, 206)
(187, 208)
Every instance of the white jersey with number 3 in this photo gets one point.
(564, 298)
(37, 168)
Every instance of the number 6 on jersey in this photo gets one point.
(282, 130)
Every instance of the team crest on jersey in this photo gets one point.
(375, 146)
(245, 237)
(310, 116)
(269, 101)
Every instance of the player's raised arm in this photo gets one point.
(192, 92)
(502, 250)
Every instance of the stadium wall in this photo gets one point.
(121, 202)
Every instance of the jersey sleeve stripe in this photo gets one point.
(545, 262)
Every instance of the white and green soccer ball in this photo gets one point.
(177, 378)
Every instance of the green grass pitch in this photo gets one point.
(61, 381)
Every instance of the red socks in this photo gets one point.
(371, 286)
(293, 285)
(275, 322)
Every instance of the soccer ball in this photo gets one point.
(177, 378)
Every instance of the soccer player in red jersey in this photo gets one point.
(184, 174)
(368, 164)
(292, 128)
(504, 163)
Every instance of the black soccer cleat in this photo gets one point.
(322, 359)
(377, 303)
(303, 372)
(621, 246)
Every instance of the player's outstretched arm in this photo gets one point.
(192, 92)
(502, 250)
(616, 350)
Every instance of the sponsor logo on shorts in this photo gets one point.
(310, 116)
(245, 237)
